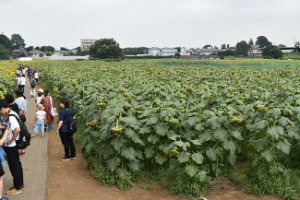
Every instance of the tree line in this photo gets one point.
(268, 49)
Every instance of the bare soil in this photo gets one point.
(69, 180)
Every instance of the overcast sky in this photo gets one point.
(151, 23)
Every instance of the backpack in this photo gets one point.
(32, 83)
(72, 125)
(24, 135)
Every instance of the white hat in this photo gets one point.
(41, 90)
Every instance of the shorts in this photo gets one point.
(1, 171)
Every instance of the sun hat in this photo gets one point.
(41, 90)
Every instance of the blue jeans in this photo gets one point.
(50, 126)
(21, 87)
(39, 123)
(2, 159)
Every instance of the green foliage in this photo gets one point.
(135, 50)
(177, 55)
(22, 54)
(106, 48)
(30, 48)
(250, 42)
(18, 42)
(262, 41)
(242, 48)
(194, 118)
(4, 53)
(275, 180)
(5, 42)
(272, 51)
(48, 49)
(148, 57)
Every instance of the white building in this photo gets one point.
(36, 53)
(154, 51)
(255, 51)
(168, 51)
(185, 52)
(86, 43)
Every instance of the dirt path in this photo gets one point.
(71, 181)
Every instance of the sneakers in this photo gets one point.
(13, 191)
(65, 159)
(74, 158)
(21, 188)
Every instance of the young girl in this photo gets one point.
(39, 120)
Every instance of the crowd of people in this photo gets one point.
(12, 109)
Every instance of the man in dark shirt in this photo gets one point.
(11, 103)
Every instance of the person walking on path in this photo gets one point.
(32, 88)
(36, 77)
(2, 140)
(39, 120)
(12, 104)
(46, 101)
(21, 101)
(13, 156)
(62, 129)
(21, 82)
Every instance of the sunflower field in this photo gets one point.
(200, 118)
(8, 80)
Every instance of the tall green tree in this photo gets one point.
(4, 53)
(262, 41)
(17, 42)
(272, 51)
(37, 48)
(281, 45)
(63, 49)
(250, 42)
(105, 48)
(5, 42)
(208, 46)
(242, 48)
(44, 48)
(223, 46)
(50, 49)
(30, 48)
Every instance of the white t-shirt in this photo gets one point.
(36, 75)
(23, 71)
(12, 124)
(21, 80)
(22, 103)
(38, 100)
(41, 114)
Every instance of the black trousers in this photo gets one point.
(68, 143)
(15, 166)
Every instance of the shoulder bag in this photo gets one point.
(53, 110)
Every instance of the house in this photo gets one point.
(255, 51)
(154, 51)
(168, 51)
(86, 43)
(16, 53)
(185, 52)
(58, 53)
(208, 51)
(36, 53)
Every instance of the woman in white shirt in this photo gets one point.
(21, 101)
(21, 82)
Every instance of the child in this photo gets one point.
(39, 120)
(39, 98)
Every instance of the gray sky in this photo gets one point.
(160, 23)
